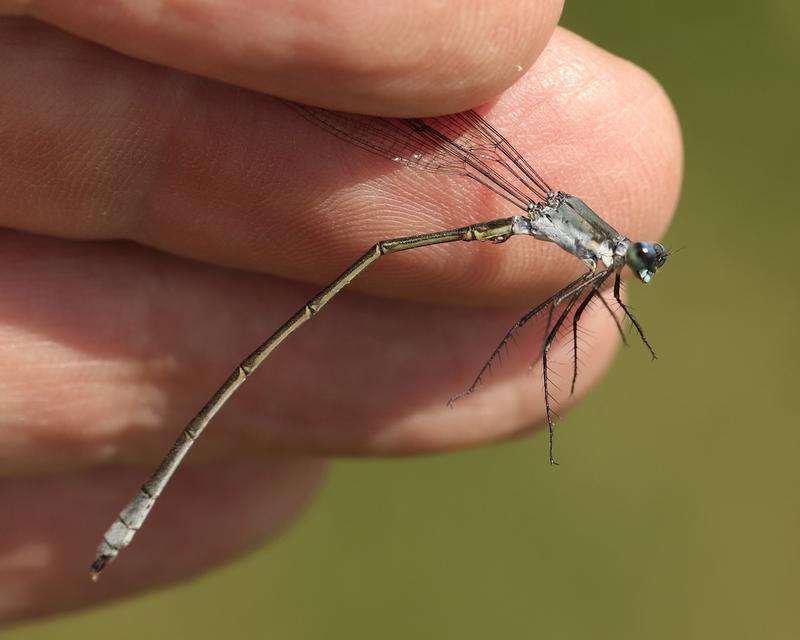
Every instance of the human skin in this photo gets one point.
(158, 224)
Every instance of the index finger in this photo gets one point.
(393, 57)
(234, 178)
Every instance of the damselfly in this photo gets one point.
(461, 144)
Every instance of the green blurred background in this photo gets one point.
(677, 515)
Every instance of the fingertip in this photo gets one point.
(610, 133)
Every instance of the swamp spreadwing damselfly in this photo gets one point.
(462, 144)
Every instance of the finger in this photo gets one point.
(109, 349)
(107, 147)
(392, 58)
(211, 513)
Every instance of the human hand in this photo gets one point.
(209, 223)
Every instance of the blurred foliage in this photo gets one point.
(677, 513)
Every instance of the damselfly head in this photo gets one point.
(645, 258)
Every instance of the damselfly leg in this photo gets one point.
(631, 317)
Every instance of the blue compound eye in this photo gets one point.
(645, 258)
